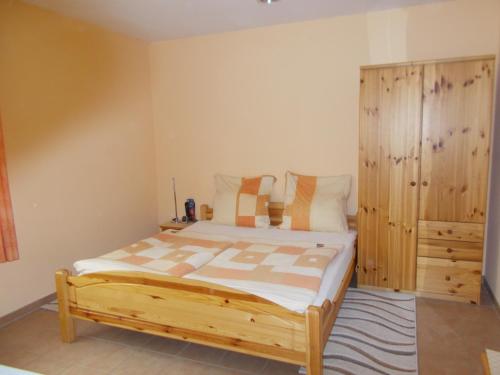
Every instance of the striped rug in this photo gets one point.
(375, 333)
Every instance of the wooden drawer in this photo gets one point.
(448, 277)
(455, 250)
(449, 230)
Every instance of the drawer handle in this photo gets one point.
(449, 250)
(447, 278)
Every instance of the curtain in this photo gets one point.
(8, 241)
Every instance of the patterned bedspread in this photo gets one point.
(290, 272)
(287, 273)
(163, 253)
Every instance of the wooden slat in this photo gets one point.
(229, 315)
(445, 230)
(241, 346)
(455, 250)
(276, 212)
(390, 115)
(447, 277)
(456, 126)
(163, 281)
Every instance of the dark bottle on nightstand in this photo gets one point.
(190, 210)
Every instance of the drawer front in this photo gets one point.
(455, 250)
(448, 230)
(454, 278)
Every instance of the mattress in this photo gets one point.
(334, 274)
(330, 283)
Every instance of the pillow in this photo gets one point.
(242, 201)
(316, 203)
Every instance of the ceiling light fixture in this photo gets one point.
(267, 1)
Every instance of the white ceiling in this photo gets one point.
(167, 19)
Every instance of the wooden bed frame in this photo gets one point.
(200, 312)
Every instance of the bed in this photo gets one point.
(231, 319)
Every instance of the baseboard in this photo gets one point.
(448, 297)
(493, 297)
(417, 293)
(23, 311)
(383, 289)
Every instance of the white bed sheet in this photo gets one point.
(335, 271)
(330, 282)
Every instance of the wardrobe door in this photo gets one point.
(456, 125)
(455, 140)
(390, 123)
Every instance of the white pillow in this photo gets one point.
(316, 203)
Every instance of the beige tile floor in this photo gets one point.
(451, 337)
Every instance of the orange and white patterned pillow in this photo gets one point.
(316, 203)
(242, 201)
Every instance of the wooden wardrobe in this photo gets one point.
(424, 152)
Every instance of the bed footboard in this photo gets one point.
(198, 312)
(183, 309)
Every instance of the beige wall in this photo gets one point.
(492, 263)
(76, 108)
(286, 97)
(76, 104)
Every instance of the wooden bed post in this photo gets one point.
(203, 211)
(314, 332)
(66, 322)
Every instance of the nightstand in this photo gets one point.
(175, 226)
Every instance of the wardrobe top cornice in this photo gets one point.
(425, 62)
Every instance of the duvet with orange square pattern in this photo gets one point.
(167, 253)
(277, 272)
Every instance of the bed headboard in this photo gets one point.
(275, 214)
